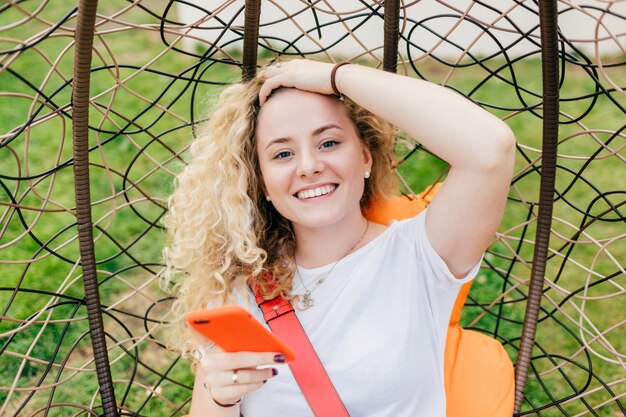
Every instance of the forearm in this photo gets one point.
(446, 123)
(479, 147)
(202, 405)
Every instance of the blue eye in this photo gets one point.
(283, 155)
(329, 144)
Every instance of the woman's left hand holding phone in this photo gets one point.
(224, 378)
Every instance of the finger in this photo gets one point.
(272, 72)
(205, 348)
(227, 361)
(241, 376)
(268, 86)
(271, 84)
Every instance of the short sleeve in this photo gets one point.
(428, 255)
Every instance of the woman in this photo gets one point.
(279, 181)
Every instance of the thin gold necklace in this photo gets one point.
(305, 300)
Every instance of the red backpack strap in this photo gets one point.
(307, 369)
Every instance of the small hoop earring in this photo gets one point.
(366, 174)
(268, 198)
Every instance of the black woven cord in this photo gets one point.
(80, 133)
(251, 38)
(392, 33)
(550, 73)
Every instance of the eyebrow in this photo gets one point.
(316, 132)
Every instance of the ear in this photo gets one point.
(367, 157)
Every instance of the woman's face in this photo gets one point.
(311, 158)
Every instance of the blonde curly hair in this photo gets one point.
(223, 234)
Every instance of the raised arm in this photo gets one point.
(480, 148)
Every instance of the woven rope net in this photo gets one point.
(99, 102)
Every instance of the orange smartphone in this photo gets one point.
(235, 330)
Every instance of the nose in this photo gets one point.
(309, 164)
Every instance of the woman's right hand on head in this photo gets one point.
(228, 376)
(303, 74)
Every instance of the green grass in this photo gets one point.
(124, 215)
(46, 147)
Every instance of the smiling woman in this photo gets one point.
(273, 199)
(312, 162)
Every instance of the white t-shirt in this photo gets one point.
(379, 326)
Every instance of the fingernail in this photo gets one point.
(280, 358)
(274, 371)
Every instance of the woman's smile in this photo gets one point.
(309, 150)
(315, 192)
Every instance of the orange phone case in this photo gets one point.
(235, 330)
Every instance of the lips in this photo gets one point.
(316, 192)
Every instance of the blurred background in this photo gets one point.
(158, 67)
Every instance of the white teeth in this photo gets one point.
(316, 192)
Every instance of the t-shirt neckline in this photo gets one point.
(322, 269)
